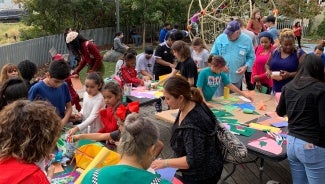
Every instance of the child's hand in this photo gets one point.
(73, 130)
(50, 171)
(75, 76)
(76, 137)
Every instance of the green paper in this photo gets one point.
(229, 108)
(245, 131)
(263, 143)
(263, 90)
(228, 120)
(248, 111)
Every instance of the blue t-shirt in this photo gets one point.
(209, 82)
(322, 56)
(237, 53)
(58, 97)
(274, 32)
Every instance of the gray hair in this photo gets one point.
(138, 136)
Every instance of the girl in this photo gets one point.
(112, 94)
(262, 52)
(8, 71)
(87, 51)
(200, 53)
(118, 45)
(185, 65)
(93, 101)
(254, 23)
(297, 29)
(210, 78)
(12, 90)
(128, 74)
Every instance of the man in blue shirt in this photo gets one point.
(271, 28)
(319, 51)
(237, 49)
(163, 32)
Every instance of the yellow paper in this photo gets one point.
(265, 127)
(98, 159)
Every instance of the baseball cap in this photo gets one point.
(232, 27)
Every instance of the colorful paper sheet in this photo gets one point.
(264, 127)
(167, 173)
(267, 144)
(242, 130)
(244, 106)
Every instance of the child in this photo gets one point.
(112, 94)
(128, 74)
(54, 89)
(27, 69)
(75, 99)
(8, 71)
(121, 61)
(185, 65)
(93, 101)
(210, 78)
(200, 53)
(12, 90)
(28, 131)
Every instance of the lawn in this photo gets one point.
(11, 30)
(109, 71)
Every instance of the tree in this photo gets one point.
(299, 8)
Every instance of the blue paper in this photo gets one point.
(167, 173)
(280, 124)
(245, 106)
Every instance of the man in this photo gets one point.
(164, 58)
(270, 23)
(163, 32)
(146, 62)
(319, 51)
(237, 49)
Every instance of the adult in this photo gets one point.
(87, 51)
(319, 51)
(164, 58)
(303, 101)
(271, 28)
(135, 36)
(118, 46)
(137, 148)
(28, 134)
(254, 23)
(297, 29)
(196, 152)
(285, 59)
(146, 62)
(253, 37)
(262, 52)
(163, 32)
(237, 50)
(73, 60)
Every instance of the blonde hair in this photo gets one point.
(28, 130)
(7, 68)
(256, 10)
(286, 33)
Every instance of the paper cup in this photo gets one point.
(276, 73)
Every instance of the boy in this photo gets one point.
(54, 89)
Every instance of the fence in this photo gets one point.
(37, 50)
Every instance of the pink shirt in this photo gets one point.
(259, 66)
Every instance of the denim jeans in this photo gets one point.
(307, 161)
(137, 39)
(72, 60)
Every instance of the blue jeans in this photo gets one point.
(72, 60)
(137, 39)
(307, 161)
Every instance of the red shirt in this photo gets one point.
(108, 120)
(259, 66)
(15, 171)
(90, 55)
(129, 75)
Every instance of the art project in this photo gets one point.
(66, 178)
(242, 130)
(267, 144)
(141, 92)
(167, 173)
(264, 127)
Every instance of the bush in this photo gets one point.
(321, 29)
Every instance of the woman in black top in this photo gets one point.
(303, 101)
(196, 153)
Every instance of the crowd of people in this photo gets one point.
(253, 52)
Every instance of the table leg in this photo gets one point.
(229, 174)
(261, 170)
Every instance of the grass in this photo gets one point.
(11, 30)
(109, 71)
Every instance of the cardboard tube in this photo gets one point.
(100, 157)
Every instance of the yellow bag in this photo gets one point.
(85, 154)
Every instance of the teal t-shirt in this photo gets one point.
(209, 82)
(118, 174)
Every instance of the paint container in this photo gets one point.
(226, 92)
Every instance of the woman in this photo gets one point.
(196, 152)
(118, 45)
(297, 29)
(303, 101)
(262, 52)
(87, 51)
(254, 23)
(8, 71)
(28, 134)
(284, 60)
(137, 148)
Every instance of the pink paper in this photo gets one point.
(267, 144)
(277, 97)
